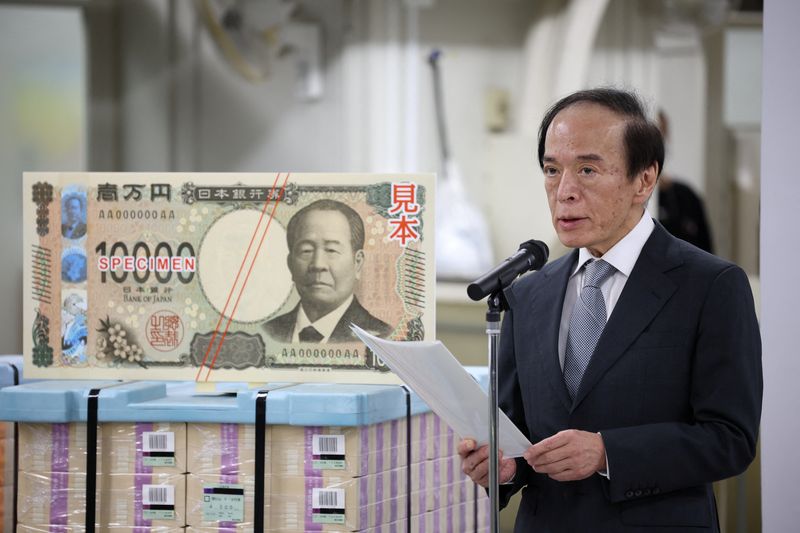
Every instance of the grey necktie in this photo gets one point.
(586, 324)
(310, 334)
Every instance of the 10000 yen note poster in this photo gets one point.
(224, 277)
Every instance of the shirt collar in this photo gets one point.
(324, 325)
(624, 254)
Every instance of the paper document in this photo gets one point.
(449, 390)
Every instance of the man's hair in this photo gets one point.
(642, 139)
(68, 198)
(353, 220)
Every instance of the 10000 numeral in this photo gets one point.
(160, 263)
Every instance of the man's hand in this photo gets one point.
(568, 455)
(475, 463)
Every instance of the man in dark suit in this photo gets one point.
(326, 241)
(638, 387)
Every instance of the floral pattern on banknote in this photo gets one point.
(116, 345)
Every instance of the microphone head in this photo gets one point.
(538, 250)
(475, 292)
(532, 255)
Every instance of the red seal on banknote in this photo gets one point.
(164, 330)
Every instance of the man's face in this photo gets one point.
(593, 203)
(73, 208)
(323, 264)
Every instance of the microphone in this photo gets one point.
(532, 255)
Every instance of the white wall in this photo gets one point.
(780, 196)
(42, 104)
(743, 56)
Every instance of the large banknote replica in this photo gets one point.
(217, 277)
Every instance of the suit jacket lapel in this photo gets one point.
(545, 315)
(342, 330)
(645, 293)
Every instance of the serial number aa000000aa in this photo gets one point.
(320, 353)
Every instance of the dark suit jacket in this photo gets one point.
(281, 327)
(674, 387)
(73, 233)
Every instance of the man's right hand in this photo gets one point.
(475, 463)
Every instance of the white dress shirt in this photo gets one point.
(324, 325)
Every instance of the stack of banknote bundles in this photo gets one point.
(167, 457)
(138, 468)
(337, 459)
(140, 473)
(6, 475)
(470, 516)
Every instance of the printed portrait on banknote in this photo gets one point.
(325, 242)
(224, 277)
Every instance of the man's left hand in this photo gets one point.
(568, 455)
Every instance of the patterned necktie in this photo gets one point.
(586, 324)
(309, 334)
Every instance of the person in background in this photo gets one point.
(680, 209)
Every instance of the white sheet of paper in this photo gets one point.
(449, 390)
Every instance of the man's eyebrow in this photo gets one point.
(582, 157)
(312, 241)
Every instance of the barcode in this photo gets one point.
(328, 498)
(157, 441)
(162, 441)
(328, 445)
(158, 494)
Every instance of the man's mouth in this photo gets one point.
(318, 284)
(569, 222)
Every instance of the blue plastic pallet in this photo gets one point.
(308, 404)
(10, 370)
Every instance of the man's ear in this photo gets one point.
(358, 262)
(647, 182)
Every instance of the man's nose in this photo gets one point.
(568, 187)
(318, 262)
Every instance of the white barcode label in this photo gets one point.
(161, 441)
(327, 498)
(328, 445)
(158, 495)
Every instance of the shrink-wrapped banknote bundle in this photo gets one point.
(10, 375)
(122, 447)
(6, 474)
(224, 277)
(350, 466)
(140, 473)
(122, 500)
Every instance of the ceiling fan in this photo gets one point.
(246, 32)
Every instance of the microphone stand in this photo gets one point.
(497, 281)
(497, 305)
